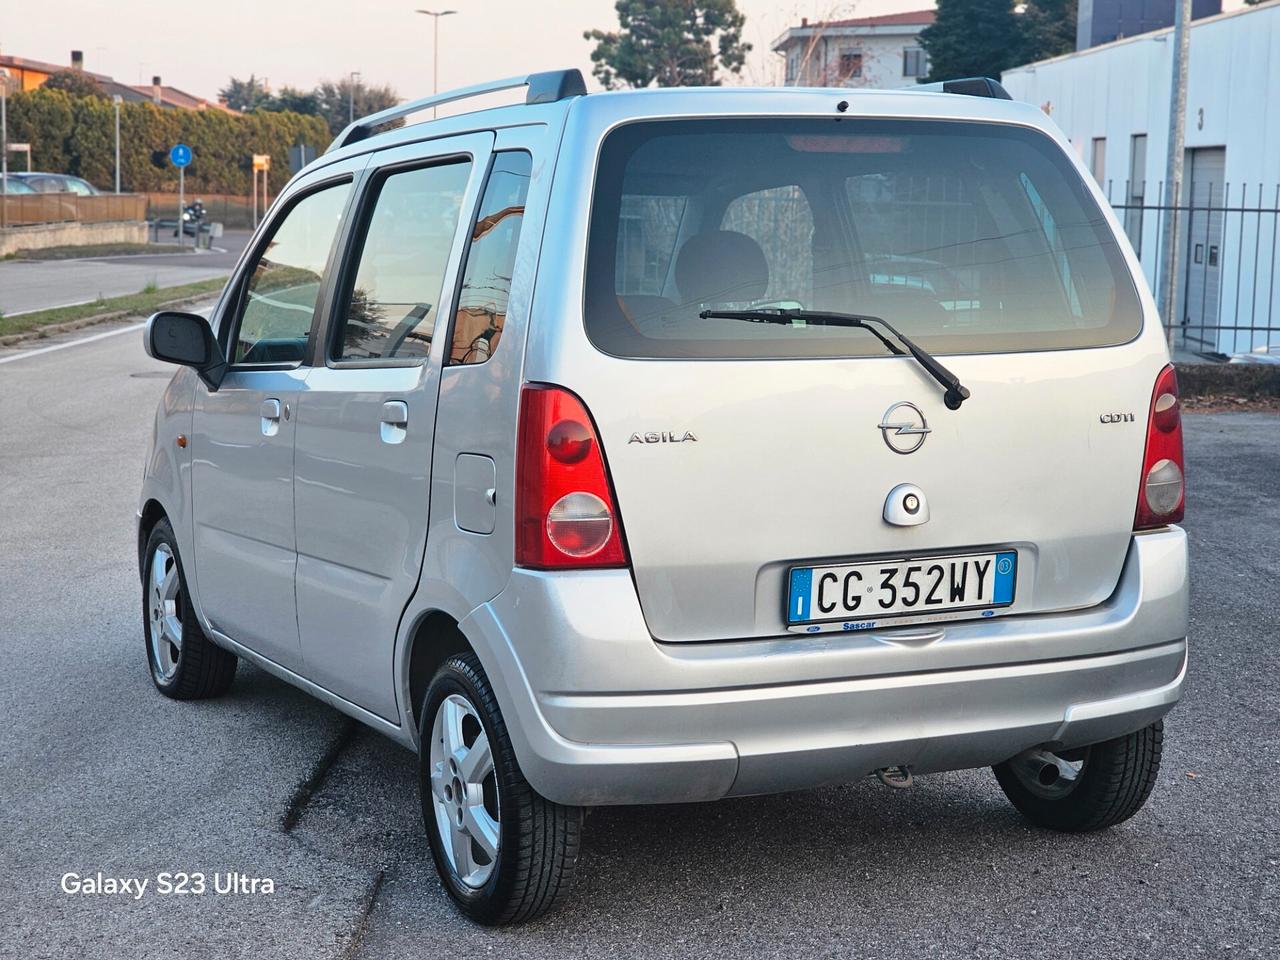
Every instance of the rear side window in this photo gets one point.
(491, 260)
(394, 301)
(971, 238)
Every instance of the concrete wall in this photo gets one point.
(1121, 89)
(43, 235)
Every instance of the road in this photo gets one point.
(27, 285)
(102, 774)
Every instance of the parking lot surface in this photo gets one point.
(99, 773)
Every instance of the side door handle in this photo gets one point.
(270, 412)
(395, 420)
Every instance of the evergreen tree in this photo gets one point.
(244, 95)
(1048, 29)
(972, 38)
(669, 43)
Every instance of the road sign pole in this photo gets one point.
(182, 242)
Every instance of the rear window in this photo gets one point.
(970, 238)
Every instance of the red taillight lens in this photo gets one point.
(566, 514)
(1162, 492)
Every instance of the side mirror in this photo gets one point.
(187, 340)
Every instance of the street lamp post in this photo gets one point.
(435, 16)
(117, 100)
(1168, 293)
(351, 91)
(4, 149)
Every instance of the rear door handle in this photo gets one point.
(395, 419)
(395, 412)
(270, 414)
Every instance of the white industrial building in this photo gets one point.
(1113, 103)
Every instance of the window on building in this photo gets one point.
(1098, 158)
(793, 65)
(850, 65)
(1137, 197)
(914, 62)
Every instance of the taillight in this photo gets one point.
(566, 515)
(1162, 495)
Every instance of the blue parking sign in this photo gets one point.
(180, 155)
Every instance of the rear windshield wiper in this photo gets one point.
(956, 393)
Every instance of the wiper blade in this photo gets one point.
(956, 393)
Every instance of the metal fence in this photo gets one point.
(1228, 294)
(232, 211)
(26, 209)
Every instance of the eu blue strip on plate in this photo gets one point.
(799, 607)
(1006, 571)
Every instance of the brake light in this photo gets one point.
(566, 514)
(1162, 495)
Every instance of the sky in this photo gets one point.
(299, 42)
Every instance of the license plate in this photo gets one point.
(860, 596)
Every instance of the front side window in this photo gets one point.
(394, 301)
(491, 260)
(279, 300)
(969, 237)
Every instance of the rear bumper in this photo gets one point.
(600, 713)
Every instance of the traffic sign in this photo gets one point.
(180, 155)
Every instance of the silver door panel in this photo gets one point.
(362, 485)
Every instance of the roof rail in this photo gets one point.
(545, 87)
(970, 87)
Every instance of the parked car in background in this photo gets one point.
(672, 445)
(57, 183)
(14, 185)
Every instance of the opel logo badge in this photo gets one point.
(904, 428)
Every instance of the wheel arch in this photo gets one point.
(434, 637)
(152, 512)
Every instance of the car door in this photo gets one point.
(365, 427)
(242, 435)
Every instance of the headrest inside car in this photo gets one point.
(721, 266)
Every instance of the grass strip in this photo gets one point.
(146, 301)
(96, 250)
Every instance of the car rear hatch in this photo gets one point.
(743, 454)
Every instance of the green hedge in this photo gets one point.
(76, 135)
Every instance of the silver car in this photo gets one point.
(673, 445)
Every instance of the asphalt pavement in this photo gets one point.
(27, 285)
(99, 773)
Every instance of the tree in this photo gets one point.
(75, 83)
(245, 95)
(334, 101)
(293, 100)
(669, 43)
(1048, 29)
(972, 38)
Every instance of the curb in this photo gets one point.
(1250, 380)
(41, 333)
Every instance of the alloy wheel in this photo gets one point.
(164, 612)
(464, 791)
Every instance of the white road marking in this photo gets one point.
(71, 343)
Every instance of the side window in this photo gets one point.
(491, 258)
(284, 286)
(780, 221)
(395, 297)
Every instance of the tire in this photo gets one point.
(184, 664)
(531, 867)
(1113, 780)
